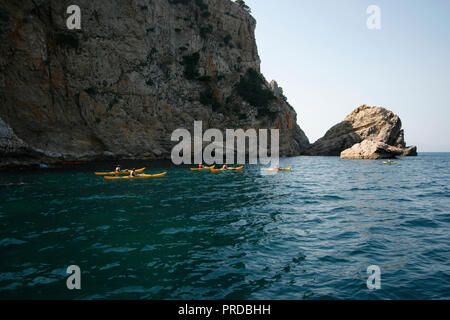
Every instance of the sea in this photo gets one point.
(316, 232)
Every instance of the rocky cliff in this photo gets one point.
(136, 71)
(365, 123)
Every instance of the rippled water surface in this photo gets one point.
(306, 234)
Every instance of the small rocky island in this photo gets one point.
(366, 133)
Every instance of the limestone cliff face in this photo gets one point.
(364, 123)
(136, 71)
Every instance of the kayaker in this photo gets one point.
(389, 161)
(200, 166)
(118, 168)
(133, 173)
(224, 167)
(277, 167)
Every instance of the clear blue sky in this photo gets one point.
(328, 62)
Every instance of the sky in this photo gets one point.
(329, 62)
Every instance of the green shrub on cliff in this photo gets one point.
(179, 1)
(190, 63)
(250, 88)
(208, 99)
(67, 39)
(200, 3)
(206, 14)
(4, 17)
(266, 112)
(204, 31)
(227, 38)
(205, 78)
(91, 91)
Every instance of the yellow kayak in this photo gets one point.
(229, 169)
(385, 162)
(141, 176)
(120, 172)
(204, 168)
(280, 169)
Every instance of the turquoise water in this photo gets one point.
(306, 234)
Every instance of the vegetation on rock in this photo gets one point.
(190, 63)
(251, 89)
(200, 3)
(205, 30)
(68, 40)
(208, 99)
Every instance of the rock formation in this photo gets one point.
(371, 150)
(375, 124)
(15, 151)
(136, 71)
